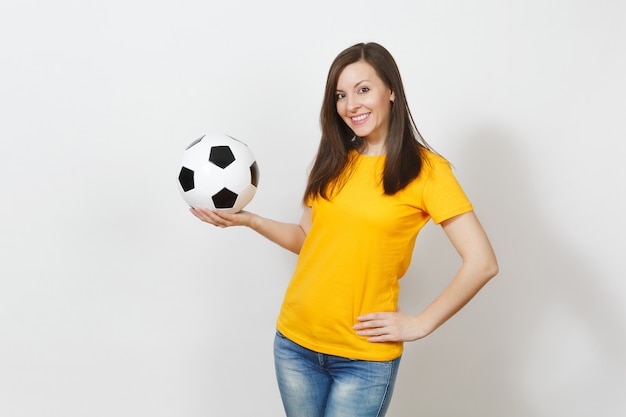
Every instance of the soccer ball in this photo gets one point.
(218, 172)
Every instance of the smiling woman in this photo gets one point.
(396, 136)
(364, 104)
(374, 184)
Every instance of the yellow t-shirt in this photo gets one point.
(359, 245)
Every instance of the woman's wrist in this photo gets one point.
(254, 222)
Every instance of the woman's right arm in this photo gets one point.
(288, 235)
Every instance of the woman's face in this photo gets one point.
(364, 102)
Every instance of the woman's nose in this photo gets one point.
(353, 103)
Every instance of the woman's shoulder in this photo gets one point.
(432, 158)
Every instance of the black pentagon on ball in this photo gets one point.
(185, 178)
(221, 156)
(224, 199)
(254, 174)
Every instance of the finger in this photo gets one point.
(369, 324)
(199, 212)
(383, 334)
(365, 332)
(381, 339)
(208, 216)
(376, 335)
(218, 221)
(227, 218)
(373, 320)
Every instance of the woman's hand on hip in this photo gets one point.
(389, 327)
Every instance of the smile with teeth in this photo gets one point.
(360, 118)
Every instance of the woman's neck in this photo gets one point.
(373, 149)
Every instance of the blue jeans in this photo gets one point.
(317, 385)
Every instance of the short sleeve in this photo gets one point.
(443, 196)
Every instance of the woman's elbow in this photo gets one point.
(495, 269)
(490, 268)
(298, 242)
(484, 267)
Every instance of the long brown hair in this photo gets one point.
(404, 144)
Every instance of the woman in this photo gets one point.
(374, 184)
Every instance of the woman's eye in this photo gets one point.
(364, 89)
(340, 96)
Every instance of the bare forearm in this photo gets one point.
(288, 235)
(458, 293)
(478, 266)
(397, 326)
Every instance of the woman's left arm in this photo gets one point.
(478, 266)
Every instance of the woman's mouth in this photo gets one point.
(360, 118)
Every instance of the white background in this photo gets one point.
(115, 301)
